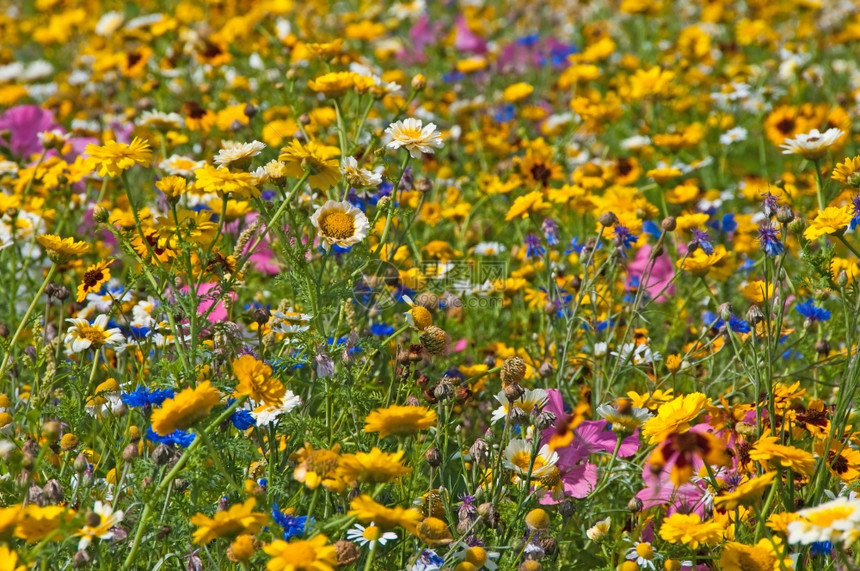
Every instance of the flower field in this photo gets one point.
(304, 286)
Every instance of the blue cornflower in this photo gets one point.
(142, 397)
(768, 238)
(293, 526)
(241, 418)
(738, 325)
(550, 231)
(703, 241)
(533, 247)
(505, 113)
(821, 548)
(178, 437)
(381, 329)
(855, 218)
(623, 236)
(808, 310)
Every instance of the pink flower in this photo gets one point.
(207, 294)
(466, 40)
(24, 122)
(660, 276)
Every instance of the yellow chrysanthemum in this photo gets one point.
(222, 181)
(113, 158)
(399, 420)
(185, 409)
(690, 530)
(36, 523)
(831, 220)
(319, 161)
(61, 249)
(256, 381)
(373, 466)
(314, 554)
(240, 518)
(367, 510)
(673, 417)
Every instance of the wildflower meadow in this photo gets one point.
(422, 285)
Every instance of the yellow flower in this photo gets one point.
(333, 84)
(61, 249)
(113, 158)
(373, 466)
(314, 554)
(37, 523)
(95, 276)
(9, 560)
(367, 510)
(242, 548)
(434, 531)
(745, 494)
(256, 381)
(8, 520)
(185, 409)
(674, 417)
(517, 91)
(525, 205)
(241, 185)
(315, 467)
(319, 161)
(831, 220)
(699, 263)
(399, 420)
(690, 530)
(848, 172)
(754, 292)
(188, 225)
(779, 522)
(172, 186)
(759, 557)
(240, 518)
(767, 452)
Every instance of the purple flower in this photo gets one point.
(703, 241)
(533, 247)
(550, 230)
(623, 237)
(769, 204)
(856, 214)
(768, 238)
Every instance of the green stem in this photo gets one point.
(23, 323)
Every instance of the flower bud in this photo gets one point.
(544, 420)
(537, 519)
(161, 455)
(130, 452)
(755, 315)
(53, 491)
(444, 389)
(517, 416)
(101, 214)
(433, 457)
(513, 370)
(434, 339)
(635, 505)
(480, 451)
(822, 347)
(347, 552)
(80, 463)
(784, 215)
(419, 82)
(669, 224)
(513, 392)
(608, 219)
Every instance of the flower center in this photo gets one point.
(645, 551)
(339, 225)
(92, 278)
(92, 334)
(371, 533)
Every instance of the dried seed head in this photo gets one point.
(513, 370)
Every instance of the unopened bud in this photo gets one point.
(669, 224)
(608, 219)
(433, 457)
(784, 215)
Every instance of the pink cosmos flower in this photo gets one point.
(24, 122)
(468, 41)
(660, 276)
(207, 294)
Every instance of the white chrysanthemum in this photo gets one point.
(265, 415)
(8, 167)
(357, 176)
(109, 23)
(370, 534)
(836, 521)
(340, 223)
(734, 135)
(518, 457)
(413, 135)
(233, 152)
(160, 121)
(811, 145)
(490, 249)
(99, 524)
(178, 165)
(531, 398)
(82, 334)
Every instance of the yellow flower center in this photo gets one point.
(338, 225)
(406, 134)
(477, 556)
(371, 533)
(93, 334)
(645, 551)
(421, 317)
(322, 461)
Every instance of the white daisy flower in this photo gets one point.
(413, 135)
(369, 535)
(340, 223)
